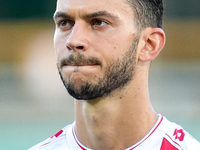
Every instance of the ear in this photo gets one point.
(153, 41)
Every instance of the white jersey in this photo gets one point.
(165, 135)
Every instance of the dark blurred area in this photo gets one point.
(23, 9)
(182, 9)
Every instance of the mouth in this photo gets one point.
(79, 60)
(77, 64)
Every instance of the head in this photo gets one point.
(99, 44)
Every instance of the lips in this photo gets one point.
(78, 64)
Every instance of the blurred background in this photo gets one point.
(34, 103)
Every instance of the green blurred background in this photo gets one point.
(33, 102)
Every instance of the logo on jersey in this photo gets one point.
(179, 134)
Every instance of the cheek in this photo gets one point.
(114, 43)
(110, 48)
(60, 47)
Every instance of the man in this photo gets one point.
(104, 50)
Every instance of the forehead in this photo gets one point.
(81, 7)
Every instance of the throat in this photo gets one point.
(111, 126)
(99, 124)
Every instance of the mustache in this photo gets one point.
(78, 59)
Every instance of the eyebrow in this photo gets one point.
(61, 15)
(100, 14)
(86, 16)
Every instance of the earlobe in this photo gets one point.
(153, 40)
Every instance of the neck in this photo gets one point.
(127, 115)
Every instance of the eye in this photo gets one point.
(99, 22)
(65, 24)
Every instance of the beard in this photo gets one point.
(117, 74)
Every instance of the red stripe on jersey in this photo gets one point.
(77, 140)
(149, 135)
(57, 134)
(166, 145)
(45, 144)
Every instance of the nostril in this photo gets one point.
(79, 47)
(69, 48)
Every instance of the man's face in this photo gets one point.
(95, 43)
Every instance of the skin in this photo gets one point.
(124, 117)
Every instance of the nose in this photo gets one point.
(77, 39)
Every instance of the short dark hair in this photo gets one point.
(148, 13)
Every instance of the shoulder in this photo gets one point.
(57, 140)
(176, 138)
